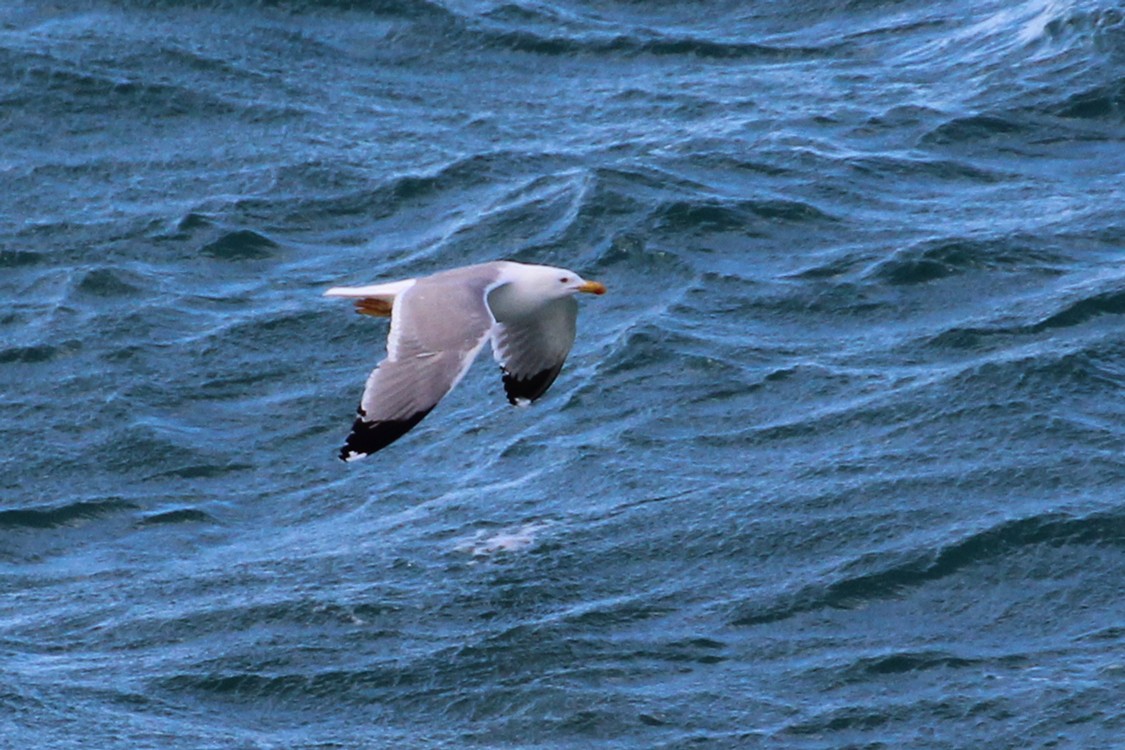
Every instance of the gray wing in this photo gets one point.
(531, 351)
(437, 327)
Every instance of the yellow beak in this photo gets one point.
(593, 287)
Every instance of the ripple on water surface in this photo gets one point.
(836, 462)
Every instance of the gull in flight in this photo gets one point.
(440, 322)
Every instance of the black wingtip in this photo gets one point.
(525, 390)
(368, 437)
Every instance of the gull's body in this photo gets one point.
(438, 325)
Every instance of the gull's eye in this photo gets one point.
(565, 279)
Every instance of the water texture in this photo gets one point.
(838, 461)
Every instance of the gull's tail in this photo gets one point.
(384, 292)
(376, 300)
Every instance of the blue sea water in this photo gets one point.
(837, 462)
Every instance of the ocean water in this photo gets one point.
(837, 462)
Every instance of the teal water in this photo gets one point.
(837, 462)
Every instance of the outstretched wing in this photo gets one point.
(531, 351)
(437, 327)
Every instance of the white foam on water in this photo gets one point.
(508, 540)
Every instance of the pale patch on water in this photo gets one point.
(510, 539)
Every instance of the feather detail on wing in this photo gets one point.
(531, 351)
(437, 329)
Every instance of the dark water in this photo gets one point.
(838, 462)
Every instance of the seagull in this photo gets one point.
(438, 325)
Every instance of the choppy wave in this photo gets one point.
(62, 515)
(924, 566)
(837, 461)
